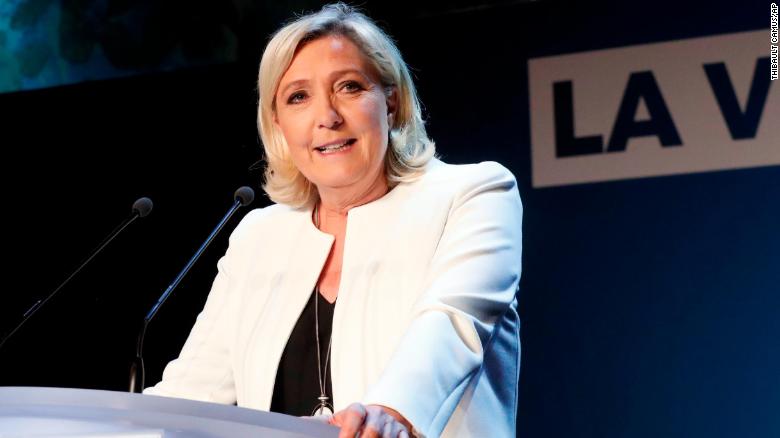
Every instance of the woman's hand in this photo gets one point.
(372, 421)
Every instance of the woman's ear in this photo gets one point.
(391, 98)
(274, 113)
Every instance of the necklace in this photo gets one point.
(323, 406)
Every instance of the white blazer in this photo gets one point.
(426, 319)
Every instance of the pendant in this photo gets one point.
(324, 408)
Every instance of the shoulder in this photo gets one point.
(260, 219)
(467, 177)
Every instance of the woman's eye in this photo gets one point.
(351, 86)
(296, 97)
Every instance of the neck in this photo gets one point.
(339, 202)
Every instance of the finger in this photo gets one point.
(339, 417)
(398, 430)
(351, 420)
(390, 430)
(372, 430)
(375, 423)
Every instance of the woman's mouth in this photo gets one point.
(333, 148)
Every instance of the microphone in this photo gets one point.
(141, 208)
(242, 197)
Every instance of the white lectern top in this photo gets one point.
(71, 413)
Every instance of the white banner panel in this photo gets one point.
(693, 105)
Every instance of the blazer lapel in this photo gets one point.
(308, 251)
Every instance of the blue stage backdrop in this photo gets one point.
(645, 141)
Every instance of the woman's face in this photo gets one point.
(334, 114)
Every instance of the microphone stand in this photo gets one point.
(243, 196)
(141, 208)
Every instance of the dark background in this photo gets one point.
(650, 307)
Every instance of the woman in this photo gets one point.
(417, 262)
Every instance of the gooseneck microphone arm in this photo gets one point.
(141, 208)
(243, 197)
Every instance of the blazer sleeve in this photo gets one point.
(203, 370)
(471, 284)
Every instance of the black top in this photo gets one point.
(297, 384)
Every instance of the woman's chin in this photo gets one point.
(341, 181)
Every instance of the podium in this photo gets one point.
(83, 413)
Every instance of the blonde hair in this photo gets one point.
(409, 148)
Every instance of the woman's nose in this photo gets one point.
(328, 116)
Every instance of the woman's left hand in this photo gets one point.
(371, 421)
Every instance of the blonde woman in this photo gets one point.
(380, 289)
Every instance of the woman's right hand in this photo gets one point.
(371, 421)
